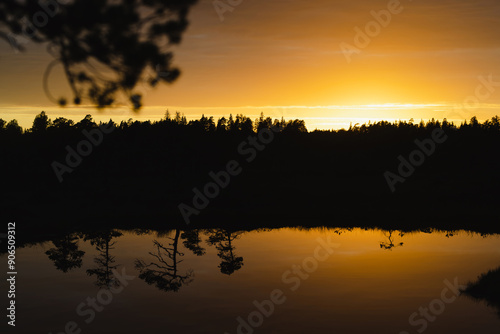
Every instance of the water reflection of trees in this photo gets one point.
(391, 236)
(192, 241)
(223, 239)
(391, 243)
(102, 241)
(343, 230)
(163, 273)
(486, 288)
(66, 255)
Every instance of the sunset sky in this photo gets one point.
(284, 58)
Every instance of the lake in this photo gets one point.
(287, 280)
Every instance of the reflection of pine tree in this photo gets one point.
(222, 239)
(104, 271)
(163, 274)
(389, 245)
(65, 254)
(192, 242)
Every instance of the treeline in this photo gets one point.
(42, 124)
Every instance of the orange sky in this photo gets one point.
(283, 57)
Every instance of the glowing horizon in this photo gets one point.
(323, 119)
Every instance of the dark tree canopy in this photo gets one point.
(41, 123)
(106, 47)
(66, 255)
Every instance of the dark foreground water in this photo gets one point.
(269, 281)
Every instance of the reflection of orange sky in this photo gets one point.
(286, 53)
(359, 280)
(360, 288)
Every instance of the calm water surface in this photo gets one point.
(215, 281)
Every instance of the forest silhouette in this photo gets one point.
(140, 172)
